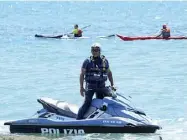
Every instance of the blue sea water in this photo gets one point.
(152, 72)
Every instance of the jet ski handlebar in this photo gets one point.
(114, 94)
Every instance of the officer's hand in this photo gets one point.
(113, 88)
(82, 90)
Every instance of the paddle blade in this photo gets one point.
(113, 35)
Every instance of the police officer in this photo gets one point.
(95, 70)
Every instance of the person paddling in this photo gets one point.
(77, 32)
(165, 32)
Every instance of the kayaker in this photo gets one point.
(77, 32)
(95, 71)
(165, 32)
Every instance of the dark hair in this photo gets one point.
(164, 26)
(76, 25)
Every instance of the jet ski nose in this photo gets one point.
(157, 127)
(7, 123)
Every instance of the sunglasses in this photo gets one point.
(95, 50)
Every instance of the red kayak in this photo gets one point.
(126, 38)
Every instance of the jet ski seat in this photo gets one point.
(59, 107)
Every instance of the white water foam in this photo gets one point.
(3, 129)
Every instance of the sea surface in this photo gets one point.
(152, 72)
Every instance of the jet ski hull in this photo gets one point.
(58, 129)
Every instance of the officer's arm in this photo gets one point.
(83, 71)
(110, 77)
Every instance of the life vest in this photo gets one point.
(77, 33)
(80, 32)
(166, 33)
(97, 73)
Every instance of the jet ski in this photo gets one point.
(112, 114)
